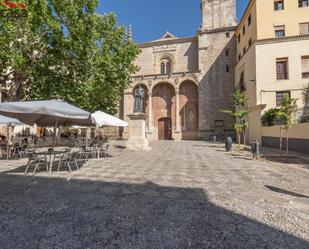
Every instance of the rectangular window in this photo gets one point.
(250, 42)
(304, 28)
(238, 38)
(227, 68)
(282, 68)
(244, 30)
(242, 86)
(279, 5)
(227, 52)
(280, 96)
(239, 57)
(305, 66)
(280, 31)
(249, 20)
(219, 123)
(244, 50)
(303, 3)
(227, 34)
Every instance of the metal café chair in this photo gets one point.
(35, 159)
(105, 150)
(71, 157)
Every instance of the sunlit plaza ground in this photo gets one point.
(186, 194)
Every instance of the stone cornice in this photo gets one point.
(210, 31)
(281, 40)
(163, 76)
(167, 41)
(273, 41)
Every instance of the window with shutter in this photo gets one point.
(282, 68)
(280, 96)
(305, 66)
(279, 5)
(304, 28)
(303, 3)
(280, 31)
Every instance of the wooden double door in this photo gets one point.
(165, 129)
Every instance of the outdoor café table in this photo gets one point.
(51, 154)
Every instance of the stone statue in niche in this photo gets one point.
(139, 97)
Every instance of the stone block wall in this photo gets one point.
(217, 57)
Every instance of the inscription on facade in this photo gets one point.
(164, 48)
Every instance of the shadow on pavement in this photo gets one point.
(38, 212)
(283, 191)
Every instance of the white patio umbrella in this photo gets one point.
(101, 119)
(6, 121)
(47, 113)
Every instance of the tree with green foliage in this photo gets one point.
(270, 117)
(287, 109)
(240, 113)
(64, 49)
(305, 117)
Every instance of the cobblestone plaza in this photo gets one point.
(185, 194)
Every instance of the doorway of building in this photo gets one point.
(165, 128)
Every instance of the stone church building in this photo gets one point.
(188, 80)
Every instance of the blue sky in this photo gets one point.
(150, 19)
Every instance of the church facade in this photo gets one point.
(188, 80)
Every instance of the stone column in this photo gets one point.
(177, 111)
(149, 111)
(177, 133)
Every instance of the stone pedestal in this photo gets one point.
(137, 133)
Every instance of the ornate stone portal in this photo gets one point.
(137, 140)
(187, 81)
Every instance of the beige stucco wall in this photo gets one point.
(297, 131)
(251, 31)
(259, 66)
(267, 83)
(248, 65)
(291, 16)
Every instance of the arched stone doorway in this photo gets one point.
(188, 103)
(163, 104)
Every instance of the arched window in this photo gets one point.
(162, 68)
(166, 66)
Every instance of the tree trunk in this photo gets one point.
(238, 138)
(244, 136)
(280, 143)
(287, 146)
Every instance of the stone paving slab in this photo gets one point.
(186, 194)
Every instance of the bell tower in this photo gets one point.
(218, 14)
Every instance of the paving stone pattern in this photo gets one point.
(183, 194)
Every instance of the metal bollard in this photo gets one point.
(228, 144)
(255, 149)
(214, 138)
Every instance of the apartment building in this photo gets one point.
(272, 56)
